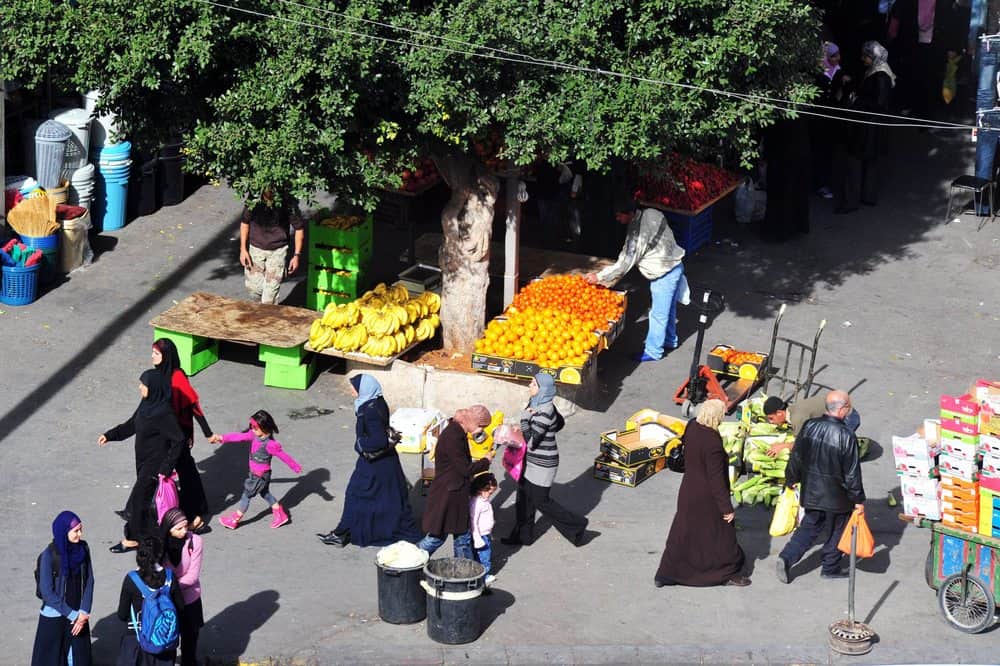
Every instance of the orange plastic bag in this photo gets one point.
(865, 546)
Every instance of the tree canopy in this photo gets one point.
(308, 95)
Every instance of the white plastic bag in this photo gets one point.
(744, 202)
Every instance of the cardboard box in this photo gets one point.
(961, 522)
(958, 449)
(963, 469)
(926, 488)
(631, 447)
(969, 507)
(932, 428)
(952, 494)
(951, 435)
(991, 465)
(991, 483)
(989, 444)
(916, 467)
(952, 482)
(510, 367)
(607, 469)
(716, 360)
(963, 404)
(913, 446)
(959, 416)
(922, 506)
(414, 425)
(963, 427)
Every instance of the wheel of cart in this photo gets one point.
(964, 568)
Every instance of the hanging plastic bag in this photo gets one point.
(949, 84)
(865, 542)
(511, 438)
(166, 496)
(744, 202)
(786, 511)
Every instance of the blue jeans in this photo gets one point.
(986, 95)
(663, 312)
(817, 523)
(463, 544)
(484, 555)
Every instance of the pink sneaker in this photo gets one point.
(231, 521)
(280, 517)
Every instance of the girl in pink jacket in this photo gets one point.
(182, 555)
(262, 448)
(484, 485)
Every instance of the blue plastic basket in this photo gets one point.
(49, 245)
(692, 231)
(19, 285)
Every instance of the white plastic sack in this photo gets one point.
(743, 204)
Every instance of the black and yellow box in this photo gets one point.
(609, 470)
(636, 445)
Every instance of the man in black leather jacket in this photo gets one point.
(825, 461)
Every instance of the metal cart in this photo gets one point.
(964, 568)
(705, 382)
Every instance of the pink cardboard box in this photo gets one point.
(922, 506)
(989, 444)
(963, 469)
(914, 487)
(964, 404)
(990, 483)
(963, 427)
(991, 465)
(913, 446)
(916, 467)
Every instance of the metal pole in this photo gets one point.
(512, 240)
(850, 585)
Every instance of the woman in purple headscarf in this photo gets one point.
(66, 588)
(831, 82)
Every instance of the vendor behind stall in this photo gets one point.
(779, 413)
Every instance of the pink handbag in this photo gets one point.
(514, 448)
(166, 496)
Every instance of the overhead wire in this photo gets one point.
(789, 106)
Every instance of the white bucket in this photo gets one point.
(78, 146)
(81, 185)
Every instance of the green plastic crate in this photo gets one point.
(318, 300)
(329, 256)
(355, 237)
(290, 376)
(327, 279)
(281, 355)
(195, 353)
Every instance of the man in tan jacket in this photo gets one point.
(650, 245)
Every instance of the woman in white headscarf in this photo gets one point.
(857, 172)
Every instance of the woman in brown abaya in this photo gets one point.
(701, 547)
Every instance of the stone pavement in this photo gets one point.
(912, 312)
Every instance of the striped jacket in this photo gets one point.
(539, 430)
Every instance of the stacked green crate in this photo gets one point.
(338, 262)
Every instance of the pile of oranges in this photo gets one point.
(573, 295)
(551, 338)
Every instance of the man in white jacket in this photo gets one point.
(650, 244)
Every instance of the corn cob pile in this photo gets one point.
(767, 474)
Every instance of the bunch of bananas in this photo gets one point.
(341, 222)
(382, 322)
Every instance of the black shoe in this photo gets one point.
(834, 575)
(738, 581)
(511, 541)
(660, 582)
(339, 540)
(782, 569)
(120, 548)
(204, 528)
(585, 537)
(121, 514)
(329, 534)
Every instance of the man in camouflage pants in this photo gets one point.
(264, 246)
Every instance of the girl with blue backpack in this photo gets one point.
(150, 603)
(65, 583)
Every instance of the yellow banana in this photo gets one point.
(400, 339)
(315, 330)
(401, 294)
(409, 333)
(434, 319)
(432, 300)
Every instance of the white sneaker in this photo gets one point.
(488, 581)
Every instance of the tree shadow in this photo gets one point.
(228, 633)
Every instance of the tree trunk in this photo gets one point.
(464, 257)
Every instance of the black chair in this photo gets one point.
(979, 187)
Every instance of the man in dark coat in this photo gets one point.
(825, 461)
(447, 509)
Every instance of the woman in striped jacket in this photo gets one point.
(540, 422)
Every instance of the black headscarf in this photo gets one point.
(172, 544)
(157, 400)
(171, 359)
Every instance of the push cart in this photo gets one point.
(964, 568)
(733, 384)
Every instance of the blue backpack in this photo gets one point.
(157, 627)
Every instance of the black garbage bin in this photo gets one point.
(171, 177)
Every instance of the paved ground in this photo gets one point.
(912, 312)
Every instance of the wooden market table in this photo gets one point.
(200, 321)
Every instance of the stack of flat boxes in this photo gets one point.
(338, 263)
(914, 459)
(989, 480)
(958, 462)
